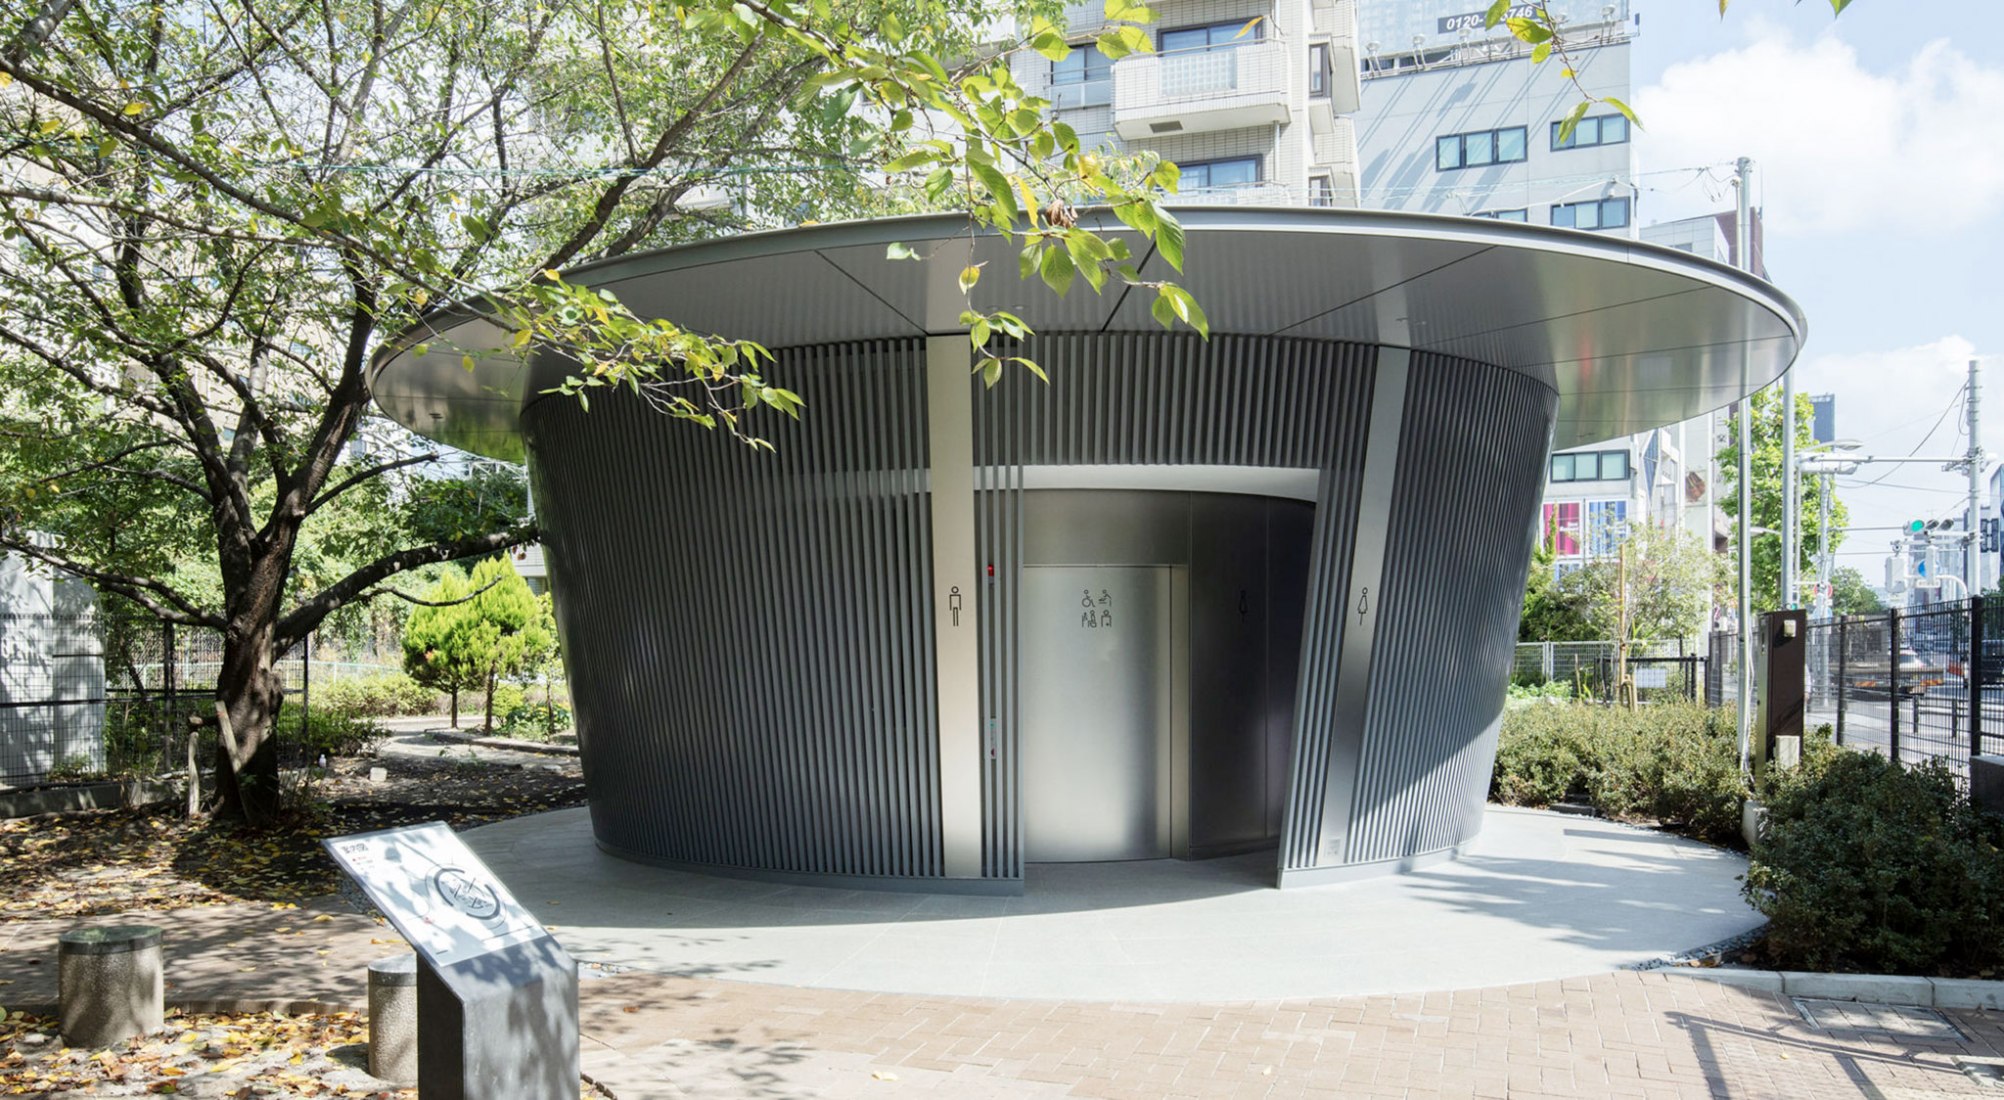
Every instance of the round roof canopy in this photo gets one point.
(1631, 335)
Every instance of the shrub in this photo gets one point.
(326, 731)
(1676, 763)
(508, 698)
(1868, 865)
(536, 721)
(384, 695)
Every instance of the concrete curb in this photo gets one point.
(1891, 989)
(109, 794)
(502, 743)
(220, 1006)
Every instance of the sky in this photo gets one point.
(1878, 141)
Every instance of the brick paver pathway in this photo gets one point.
(646, 1036)
(1614, 1035)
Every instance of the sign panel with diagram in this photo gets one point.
(435, 891)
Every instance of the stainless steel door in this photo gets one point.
(1098, 680)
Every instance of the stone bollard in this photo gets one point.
(393, 1019)
(109, 983)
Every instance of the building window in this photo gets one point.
(1590, 466)
(1598, 130)
(1518, 215)
(1083, 79)
(1215, 36)
(1562, 528)
(1319, 73)
(1598, 214)
(1607, 525)
(1321, 191)
(1217, 175)
(1479, 148)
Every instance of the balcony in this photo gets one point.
(1201, 90)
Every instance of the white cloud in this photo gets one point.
(1838, 147)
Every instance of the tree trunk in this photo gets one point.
(455, 708)
(488, 728)
(250, 693)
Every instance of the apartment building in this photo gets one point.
(1455, 120)
(1251, 98)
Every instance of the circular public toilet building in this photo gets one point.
(1191, 597)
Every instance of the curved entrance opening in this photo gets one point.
(1160, 634)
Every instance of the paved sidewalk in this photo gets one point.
(654, 1037)
(1543, 896)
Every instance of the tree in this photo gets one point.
(217, 213)
(1667, 589)
(1765, 465)
(437, 653)
(1851, 595)
(1549, 614)
(470, 631)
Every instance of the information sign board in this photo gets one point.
(435, 891)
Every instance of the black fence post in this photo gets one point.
(170, 722)
(1893, 685)
(1843, 671)
(1973, 678)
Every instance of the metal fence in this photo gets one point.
(1911, 685)
(52, 696)
(86, 693)
(1582, 663)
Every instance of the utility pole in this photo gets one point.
(1972, 553)
(1743, 248)
(1790, 532)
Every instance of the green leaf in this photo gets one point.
(997, 185)
(1026, 261)
(979, 334)
(1164, 314)
(1836, 6)
(1572, 120)
(917, 158)
(899, 251)
(1169, 238)
(991, 372)
(1496, 11)
(1057, 270)
(1540, 53)
(1035, 369)
(969, 275)
(1529, 30)
(1625, 111)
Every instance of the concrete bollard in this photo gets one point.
(109, 983)
(393, 1019)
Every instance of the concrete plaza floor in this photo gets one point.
(1544, 896)
(721, 1022)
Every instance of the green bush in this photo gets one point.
(1867, 865)
(384, 695)
(536, 721)
(508, 698)
(326, 731)
(1676, 763)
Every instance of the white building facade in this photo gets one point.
(1250, 98)
(1456, 120)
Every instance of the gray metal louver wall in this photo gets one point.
(1153, 399)
(747, 634)
(1470, 473)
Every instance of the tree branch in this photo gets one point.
(357, 479)
(349, 589)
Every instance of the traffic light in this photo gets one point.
(1917, 527)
